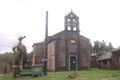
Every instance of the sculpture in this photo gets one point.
(20, 53)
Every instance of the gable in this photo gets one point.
(84, 42)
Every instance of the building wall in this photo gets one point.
(116, 59)
(85, 52)
(61, 53)
(72, 45)
(2, 69)
(38, 53)
(93, 61)
(51, 56)
(60, 49)
(64, 49)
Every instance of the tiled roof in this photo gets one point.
(107, 55)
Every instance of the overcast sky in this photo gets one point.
(99, 20)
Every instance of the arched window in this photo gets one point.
(73, 46)
(72, 41)
(69, 28)
(68, 22)
(74, 22)
(68, 19)
(74, 29)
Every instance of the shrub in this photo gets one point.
(73, 75)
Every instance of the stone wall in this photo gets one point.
(116, 59)
(38, 53)
(60, 53)
(51, 56)
(85, 52)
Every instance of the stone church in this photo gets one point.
(67, 50)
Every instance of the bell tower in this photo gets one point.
(72, 41)
(72, 22)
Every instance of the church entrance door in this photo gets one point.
(72, 62)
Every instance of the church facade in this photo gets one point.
(67, 50)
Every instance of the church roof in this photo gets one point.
(39, 43)
(59, 34)
(83, 37)
(50, 38)
(55, 36)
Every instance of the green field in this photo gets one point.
(93, 74)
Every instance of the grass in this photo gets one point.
(93, 74)
(6, 77)
(26, 71)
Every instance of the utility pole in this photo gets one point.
(46, 35)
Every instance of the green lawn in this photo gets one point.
(94, 74)
(6, 77)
